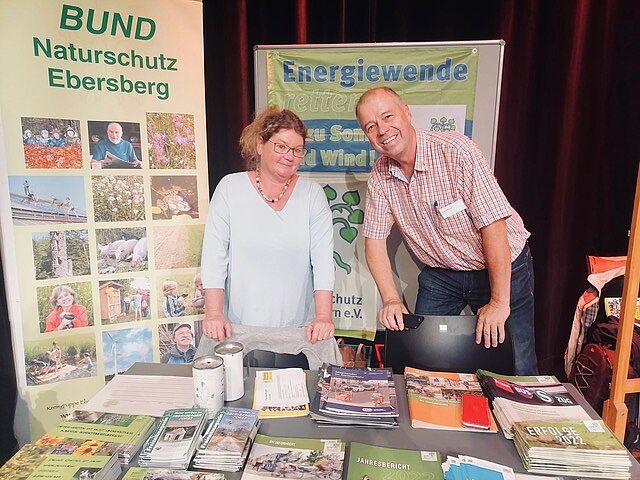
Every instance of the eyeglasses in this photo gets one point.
(283, 149)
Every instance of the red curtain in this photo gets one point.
(566, 157)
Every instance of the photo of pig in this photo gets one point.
(122, 250)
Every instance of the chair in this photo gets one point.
(446, 344)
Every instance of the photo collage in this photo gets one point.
(114, 211)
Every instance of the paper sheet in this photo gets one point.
(143, 395)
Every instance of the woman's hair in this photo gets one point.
(55, 293)
(265, 125)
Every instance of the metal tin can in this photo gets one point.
(208, 383)
(232, 354)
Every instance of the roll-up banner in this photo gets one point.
(103, 168)
(448, 86)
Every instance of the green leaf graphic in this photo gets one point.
(352, 197)
(341, 263)
(330, 192)
(357, 217)
(349, 233)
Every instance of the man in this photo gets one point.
(182, 351)
(113, 150)
(455, 219)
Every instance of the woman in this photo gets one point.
(268, 245)
(66, 312)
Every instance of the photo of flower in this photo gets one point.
(171, 140)
(118, 198)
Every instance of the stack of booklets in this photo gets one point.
(295, 458)
(435, 399)
(527, 398)
(360, 397)
(471, 468)
(577, 448)
(281, 393)
(227, 440)
(140, 473)
(369, 462)
(53, 456)
(174, 439)
(129, 431)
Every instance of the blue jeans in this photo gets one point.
(447, 292)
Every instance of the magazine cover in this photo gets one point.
(435, 399)
(368, 462)
(360, 391)
(294, 458)
(590, 435)
(552, 395)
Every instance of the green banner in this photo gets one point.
(322, 86)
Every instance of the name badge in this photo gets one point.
(452, 208)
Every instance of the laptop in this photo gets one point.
(446, 343)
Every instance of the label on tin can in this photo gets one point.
(232, 354)
(208, 383)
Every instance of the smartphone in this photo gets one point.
(475, 411)
(411, 321)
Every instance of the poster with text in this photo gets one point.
(322, 85)
(102, 157)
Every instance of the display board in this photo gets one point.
(447, 85)
(104, 181)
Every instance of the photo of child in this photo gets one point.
(182, 295)
(198, 294)
(173, 304)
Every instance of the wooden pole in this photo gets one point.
(615, 410)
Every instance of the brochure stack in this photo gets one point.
(140, 473)
(528, 398)
(175, 439)
(52, 457)
(472, 468)
(576, 448)
(227, 440)
(281, 393)
(359, 397)
(130, 431)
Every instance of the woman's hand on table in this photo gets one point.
(321, 328)
(216, 326)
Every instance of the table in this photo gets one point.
(489, 446)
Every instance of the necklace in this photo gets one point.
(271, 200)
